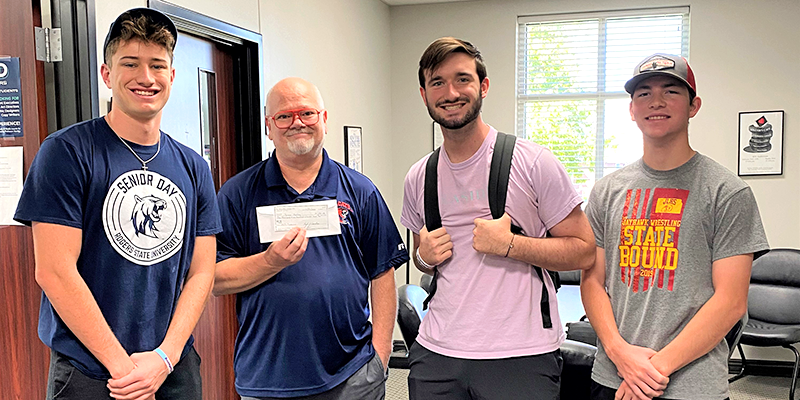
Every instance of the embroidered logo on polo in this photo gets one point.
(344, 212)
(144, 216)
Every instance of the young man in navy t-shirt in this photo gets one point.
(303, 302)
(123, 219)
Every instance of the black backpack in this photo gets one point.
(498, 187)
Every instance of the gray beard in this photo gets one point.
(301, 146)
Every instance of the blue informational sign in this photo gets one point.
(10, 98)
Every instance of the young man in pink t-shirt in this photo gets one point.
(485, 336)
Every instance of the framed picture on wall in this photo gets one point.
(352, 148)
(760, 143)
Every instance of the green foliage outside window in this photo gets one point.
(566, 127)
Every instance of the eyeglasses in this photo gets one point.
(285, 119)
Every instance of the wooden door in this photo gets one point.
(24, 357)
(200, 114)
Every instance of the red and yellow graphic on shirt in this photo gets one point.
(648, 246)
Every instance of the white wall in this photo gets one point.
(341, 46)
(744, 54)
(743, 51)
(242, 13)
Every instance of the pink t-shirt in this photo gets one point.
(487, 306)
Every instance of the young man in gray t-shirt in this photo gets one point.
(676, 236)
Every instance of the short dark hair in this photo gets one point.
(442, 48)
(144, 29)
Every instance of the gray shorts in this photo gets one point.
(368, 383)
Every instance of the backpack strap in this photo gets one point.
(433, 219)
(499, 173)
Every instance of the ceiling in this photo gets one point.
(408, 2)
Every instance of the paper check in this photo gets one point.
(312, 216)
(319, 218)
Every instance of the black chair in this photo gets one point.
(576, 371)
(410, 312)
(735, 334)
(425, 282)
(579, 350)
(570, 277)
(774, 307)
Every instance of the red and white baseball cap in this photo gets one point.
(663, 64)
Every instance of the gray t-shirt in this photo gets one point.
(662, 230)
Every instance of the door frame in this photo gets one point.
(248, 75)
(72, 84)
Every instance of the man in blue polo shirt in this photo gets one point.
(303, 301)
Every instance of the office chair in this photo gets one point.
(425, 282)
(774, 307)
(570, 277)
(410, 312)
(735, 334)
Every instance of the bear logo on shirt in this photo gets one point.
(144, 216)
(146, 212)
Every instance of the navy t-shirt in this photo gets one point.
(138, 229)
(305, 330)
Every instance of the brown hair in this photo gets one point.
(442, 48)
(143, 29)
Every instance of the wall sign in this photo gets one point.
(10, 98)
(352, 148)
(761, 143)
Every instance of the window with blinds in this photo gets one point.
(571, 70)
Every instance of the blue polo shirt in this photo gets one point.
(306, 329)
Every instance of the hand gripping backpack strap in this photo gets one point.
(433, 219)
(500, 170)
(498, 189)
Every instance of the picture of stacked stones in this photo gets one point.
(760, 136)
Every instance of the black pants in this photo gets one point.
(65, 382)
(437, 377)
(600, 392)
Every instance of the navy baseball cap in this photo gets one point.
(156, 17)
(663, 64)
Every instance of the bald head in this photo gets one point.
(291, 90)
(301, 140)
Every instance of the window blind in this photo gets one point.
(571, 71)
